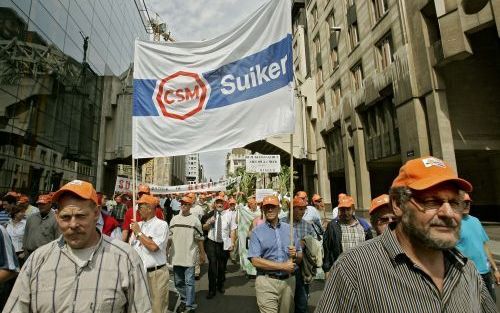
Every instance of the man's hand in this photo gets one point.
(135, 227)
(497, 277)
(231, 247)
(292, 252)
(288, 266)
(202, 259)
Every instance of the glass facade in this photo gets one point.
(53, 56)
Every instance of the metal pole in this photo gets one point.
(133, 189)
(291, 190)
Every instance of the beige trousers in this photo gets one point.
(158, 286)
(274, 295)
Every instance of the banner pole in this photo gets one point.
(133, 189)
(291, 190)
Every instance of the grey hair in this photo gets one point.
(400, 195)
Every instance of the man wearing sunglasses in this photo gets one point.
(415, 267)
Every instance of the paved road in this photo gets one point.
(239, 296)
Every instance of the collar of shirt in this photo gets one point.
(397, 254)
(61, 243)
(271, 226)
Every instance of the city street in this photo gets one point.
(239, 296)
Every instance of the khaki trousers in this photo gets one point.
(158, 286)
(274, 295)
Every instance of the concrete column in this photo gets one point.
(323, 186)
(440, 127)
(350, 171)
(412, 130)
(363, 193)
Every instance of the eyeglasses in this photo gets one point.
(435, 204)
(385, 220)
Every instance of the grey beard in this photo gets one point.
(423, 237)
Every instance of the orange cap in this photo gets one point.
(23, 199)
(143, 189)
(80, 188)
(187, 199)
(232, 201)
(340, 196)
(299, 202)
(148, 199)
(13, 194)
(301, 194)
(467, 197)
(273, 200)
(346, 202)
(378, 202)
(44, 199)
(316, 197)
(191, 195)
(423, 173)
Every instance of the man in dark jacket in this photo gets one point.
(344, 233)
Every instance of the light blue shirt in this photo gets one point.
(471, 243)
(175, 205)
(272, 243)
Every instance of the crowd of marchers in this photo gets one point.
(420, 251)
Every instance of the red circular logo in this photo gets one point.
(181, 95)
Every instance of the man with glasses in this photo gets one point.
(344, 233)
(473, 244)
(381, 214)
(274, 256)
(415, 267)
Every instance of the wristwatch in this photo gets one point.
(139, 234)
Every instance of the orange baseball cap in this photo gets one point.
(232, 201)
(423, 173)
(272, 200)
(301, 194)
(316, 197)
(191, 195)
(340, 196)
(378, 202)
(467, 197)
(143, 189)
(44, 199)
(13, 194)
(299, 202)
(187, 199)
(80, 188)
(346, 202)
(148, 199)
(23, 199)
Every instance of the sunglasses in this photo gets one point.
(385, 220)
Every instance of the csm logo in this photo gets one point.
(181, 95)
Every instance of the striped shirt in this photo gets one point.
(51, 280)
(378, 276)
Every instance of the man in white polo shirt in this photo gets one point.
(150, 241)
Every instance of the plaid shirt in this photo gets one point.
(352, 235)
(302, 228)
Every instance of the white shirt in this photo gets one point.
(197, 211)
(157, 230)
(311, 214)
(16, 233)
(228, 224)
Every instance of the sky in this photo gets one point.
(195, 20)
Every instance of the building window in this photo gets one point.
(384, 50)
(353, 35)
(357, 76)
(319, 63)
(378, 8)
(334, 40)
(336, 95)
(321, 108)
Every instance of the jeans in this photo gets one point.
(184, 283)
(301, 293)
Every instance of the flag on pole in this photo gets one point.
(216, 94)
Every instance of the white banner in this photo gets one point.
(260, 163)
(201, 187)
(261, 193)
(216, 94)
